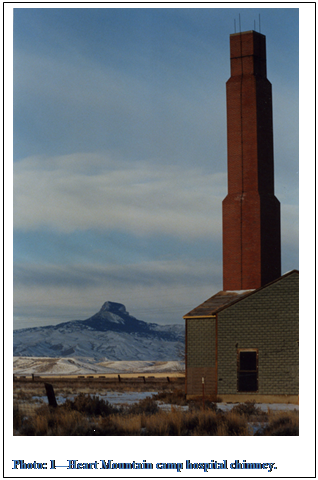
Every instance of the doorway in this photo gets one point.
(247, 370)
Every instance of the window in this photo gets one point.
(247, 370)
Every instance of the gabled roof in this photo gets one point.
(211, 306)
(224, 299)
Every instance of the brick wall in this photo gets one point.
(266, 320)
(251, 212)
(201, 356)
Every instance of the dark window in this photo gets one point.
(247, 370)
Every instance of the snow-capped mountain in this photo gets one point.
(110, 334)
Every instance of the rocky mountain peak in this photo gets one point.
(111, 333)
(113, 307)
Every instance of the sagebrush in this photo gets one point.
(90, 416)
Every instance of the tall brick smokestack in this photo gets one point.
(251, 212)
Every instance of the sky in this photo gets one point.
(120, 157)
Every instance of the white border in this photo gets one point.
(294, 456)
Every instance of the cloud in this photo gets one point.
(155, 107)
(164, 272)
(80, 192)
(161, 291)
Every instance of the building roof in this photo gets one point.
(224, 299)
(211, 306)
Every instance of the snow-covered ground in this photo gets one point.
(128, 398)
(225, 407)
(115, 398)
(88, 366)
(143, 367)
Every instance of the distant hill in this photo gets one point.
(110, 334)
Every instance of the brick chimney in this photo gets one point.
(251, 212)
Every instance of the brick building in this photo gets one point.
(245, 344)
(242, 343)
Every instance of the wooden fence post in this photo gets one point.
(50, 395)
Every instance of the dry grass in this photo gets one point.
(282, 424)
(88, 415)
(69, 421)
(174, 397)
